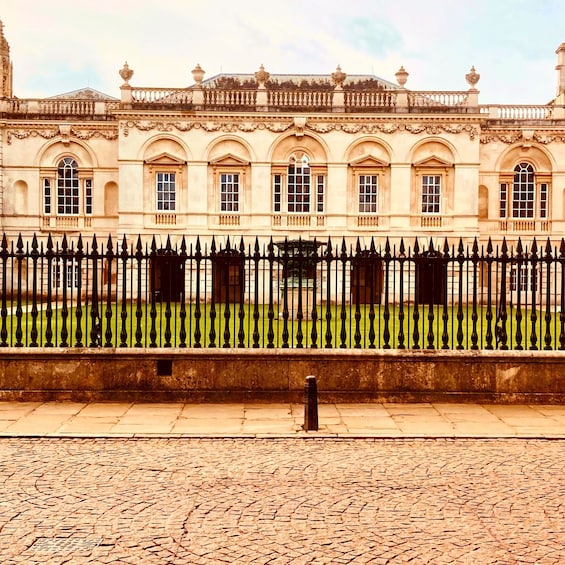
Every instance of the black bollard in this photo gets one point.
(310, 404)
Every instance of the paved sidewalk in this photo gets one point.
(97, 419)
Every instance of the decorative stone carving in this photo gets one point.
(299, 125)
(126, 73)
(472, 78)
(338, 78)
(387, 128)
(401, 76)
(509, 137)
(65, 131)
(24, 133)
(275, 127)
(262, 76)
(89, 134)
(198, 75)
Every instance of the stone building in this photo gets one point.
(279, 155)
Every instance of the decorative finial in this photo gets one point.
(126, 73)
(473, 78)
(401, 76)
(338, 77)
(198, 74)
(262, 76)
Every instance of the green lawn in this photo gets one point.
(122, 325)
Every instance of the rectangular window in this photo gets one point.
(166, 192)
(431, 194)
(523, 279)
(543, 201)
(70, 280)
(68, 195)
(88, 196)
(229, 192)
(368, 194)
(298, 189)
(320, 192)
(503, 200)
(46, 196)
(277, 193)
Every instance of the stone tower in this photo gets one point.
(5, 66)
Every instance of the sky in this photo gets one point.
(59, 46)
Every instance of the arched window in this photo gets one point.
(67, 187)
(527, 191)
(66, 190)
(298, 185)
(523, 191)
(300, 189)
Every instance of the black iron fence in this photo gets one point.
(287, 293)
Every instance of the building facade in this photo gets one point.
(281, 156)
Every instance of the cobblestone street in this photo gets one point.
(279, 501)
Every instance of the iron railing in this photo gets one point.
(288, 293)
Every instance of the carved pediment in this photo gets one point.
(83, 94)
(164, 159)
(368, 161)
(229, 160)
(433, 161)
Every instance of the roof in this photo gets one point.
(216, 80)
(83, 94)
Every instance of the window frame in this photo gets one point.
(303, 203)
(436, 196)
(53, 190)
(164, 192)
(374, 194)
(230, 205)
(541, 203)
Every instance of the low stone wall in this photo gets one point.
(233, 375)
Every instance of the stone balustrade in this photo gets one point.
(518, 112)
(161, 95)
(350, 101)
(437, 99)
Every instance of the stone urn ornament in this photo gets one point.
(126, 73)
(472, 78)
(401, 76)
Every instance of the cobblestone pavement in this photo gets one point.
(282, 501)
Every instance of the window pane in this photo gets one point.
(67, 187)
(431, 194)
(368, 194)
(523, 191)
(229, 192)
(166, 191)
(298, 186)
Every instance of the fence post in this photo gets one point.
(310, 404)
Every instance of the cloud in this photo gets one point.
(63, 45)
